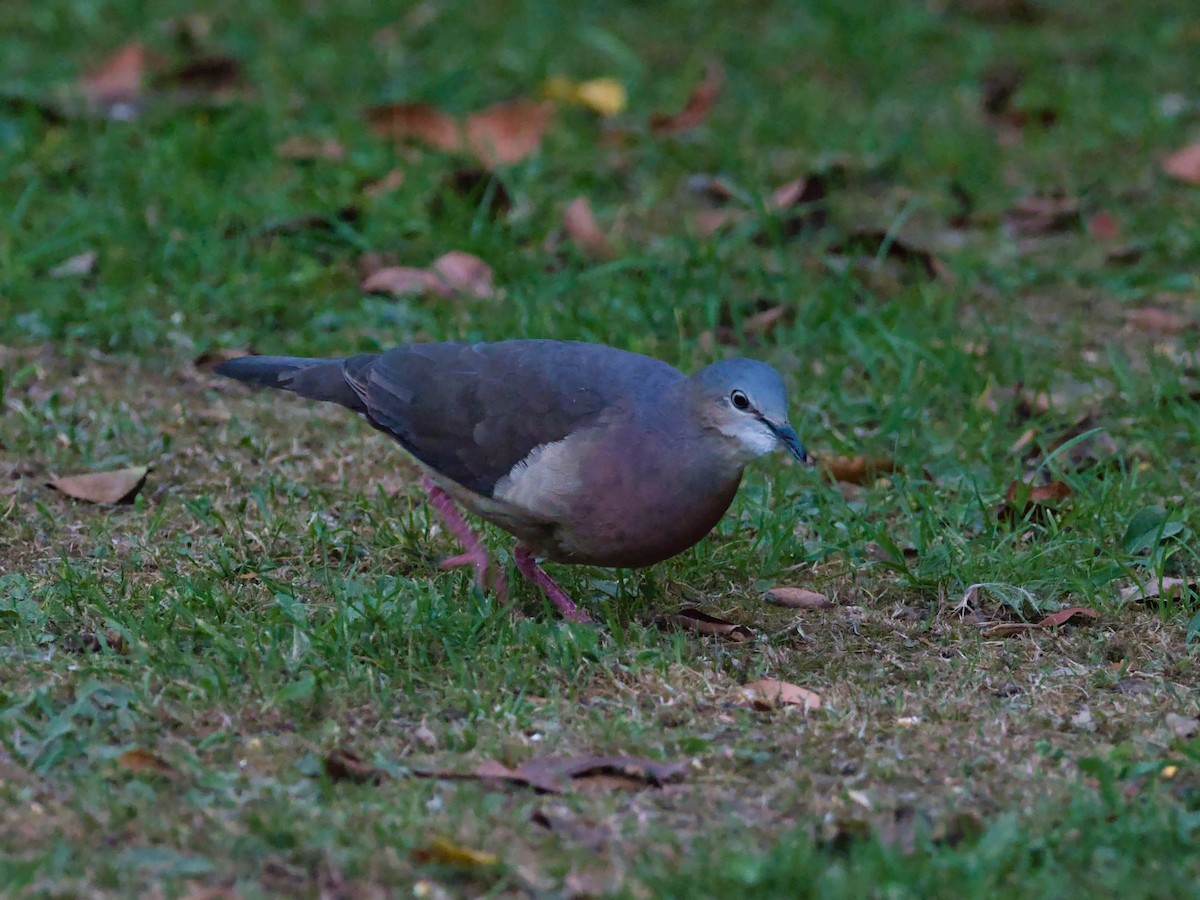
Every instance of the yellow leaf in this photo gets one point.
(446, 852)
(606, 96)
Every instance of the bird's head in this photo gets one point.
(746, 402)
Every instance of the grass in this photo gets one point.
(273, 593)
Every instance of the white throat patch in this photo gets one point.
(752, 437)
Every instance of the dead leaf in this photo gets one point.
(347, 215)
(1025, 12)
(205, 75)
(1064, 615)
(552, 773)
(606, 96)
(799, 204)
(690, 619)
(1183, 727)
(708, 222)
(857, 469)
(114, 89)
(1167, 587)
(699, 103)
(563, 822)
(76, 266)
(1104, 226)
(307, 147)
(713, 188)
(452, 273)
(765, 321)
(555, 774)
(443, 851)
(117, 486)
(143, 762)
(477, 186)
(875, 243)
(994, 630)
(770, 693)
(462, 273)
(401, 280)
(1184, 164)
(797, 598)
(1159, 321)
(416, 121)
(385, 185)
(509, 132)
(1038, 215)
(343, 765)
(584, 232)
(1025, 501)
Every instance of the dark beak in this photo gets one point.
(788, 437)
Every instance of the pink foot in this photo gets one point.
(476, 554)
(529, 568)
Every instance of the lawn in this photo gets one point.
(253, 679)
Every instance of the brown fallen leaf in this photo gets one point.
(401, 280)
(143, 762)
(875, 242)
(307, 147)
(77, 266)
(1025, 12)
(114, 89)
(797, 598)
(1038, 215)
(478, 186)
(204, 75)
(347, 215)
(583, 230)
(1032, 501)
(343, 765)
(508, 132)
(770, 693)
(690, 619)
(708, 222)
(857, 469)
(799, 204)
(699, 103)
(995, 630)
(444, 851)
(452, 273)
(416, 121)
(1065, 615)
(1167, 587)
(1158, 320)
(462, 273)
(390, 182)
(765, 321)
(1184, 164)
(1183, 727)
(1104, 226)
(563, 822)
(91, 642)
(552, 773)
(555, 774)
(117, 486)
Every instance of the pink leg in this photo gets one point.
(529, 568)
(476, 554)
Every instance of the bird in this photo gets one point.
(586, 453)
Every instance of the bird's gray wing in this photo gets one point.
(471, 412)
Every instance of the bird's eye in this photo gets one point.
(739, 400)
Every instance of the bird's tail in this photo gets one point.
(331, 380)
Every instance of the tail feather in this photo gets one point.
(316, 379)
